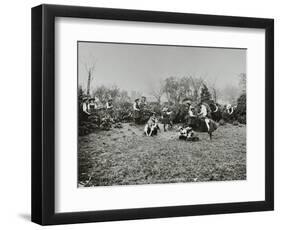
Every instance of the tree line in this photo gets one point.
(172, 90)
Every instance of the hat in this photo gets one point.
(187, 102)
(165, 109)
(137, 99)
(228, 106)
(84, 98)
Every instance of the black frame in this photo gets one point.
(43, 113)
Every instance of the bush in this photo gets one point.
(179, 113)
(156, 108)
(241, 109)
(221, 122)
(106, 123)
(235, 123)
(242, 119)
(123, 112)
(205, 94)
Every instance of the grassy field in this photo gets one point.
(125, 156)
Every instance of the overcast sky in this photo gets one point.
(140, 67)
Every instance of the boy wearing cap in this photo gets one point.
(166, 116)
(91, 105)
(109, 107)
(136, 108)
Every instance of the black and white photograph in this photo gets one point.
(152, 114)
(138, 113)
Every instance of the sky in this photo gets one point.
(137, 67)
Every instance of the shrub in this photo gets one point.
(221, 122)
(242, 119)
(235, 123)
(241, 109)
(205, 94)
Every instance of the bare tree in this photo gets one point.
(212, 85)
(174, 89)
(89, 69)
(231, 94)
(157, 92)
(135, 94)
(196, 84)
(242, 82)
(214, 92)
(103, 93)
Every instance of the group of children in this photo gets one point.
(185, 132)
(138, 108)
(152, 127)
(90, 105)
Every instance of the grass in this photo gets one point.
(126, 157)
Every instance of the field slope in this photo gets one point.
(125, 156)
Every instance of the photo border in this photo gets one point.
(137, 44)
(43, 114)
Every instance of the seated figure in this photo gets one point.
(187, 134)
(151, 128)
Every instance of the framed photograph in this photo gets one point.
(143, 114)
